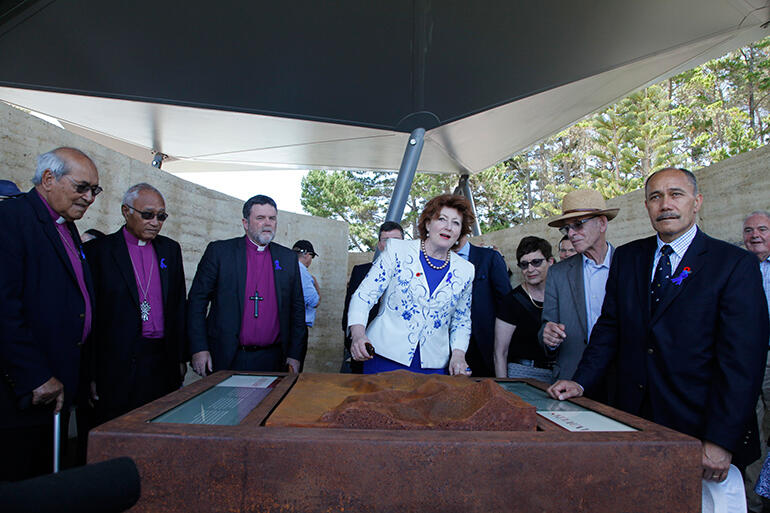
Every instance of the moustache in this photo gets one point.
(661, 217)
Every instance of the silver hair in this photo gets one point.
(757, 213)
(131, 194)
(56, 163)
(50, 160)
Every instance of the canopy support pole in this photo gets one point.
(406, 175)
(464, 189)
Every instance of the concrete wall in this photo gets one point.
(196, 216)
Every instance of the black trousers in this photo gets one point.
(264, 359)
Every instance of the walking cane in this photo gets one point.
(56, 440)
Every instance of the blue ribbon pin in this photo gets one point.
(278, 266)
(679, 279)
(163, 263)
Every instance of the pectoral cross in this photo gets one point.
(256, 298)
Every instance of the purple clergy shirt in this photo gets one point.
(76, 257)
(145, 265)
(262, 330)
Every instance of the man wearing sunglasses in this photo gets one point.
(138, 343)
(574, 289)
(46, 300)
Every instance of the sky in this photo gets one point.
(283, 186)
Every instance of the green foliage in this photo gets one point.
(699, 117)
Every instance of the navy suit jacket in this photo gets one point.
(696, 365)
(221, 281)
(42, 313)
(117, 331)
(490, 285)
(357, 275)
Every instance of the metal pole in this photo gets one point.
(405, 178)
(406, 175)
(465, 187)
(56, 441)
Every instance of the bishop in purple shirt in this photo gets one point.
(246, 310)
(138, 347)
(46, 314)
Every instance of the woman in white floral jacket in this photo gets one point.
(424, 321)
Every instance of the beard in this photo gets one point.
(264, 238)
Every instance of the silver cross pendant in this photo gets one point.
(144, 307)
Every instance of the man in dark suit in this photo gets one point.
(388, 230)
(138, 344)
(490, 286)
(682, 318)
(46, 298)
(256, 320)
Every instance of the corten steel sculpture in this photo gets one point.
(257, 466)
(403, 400)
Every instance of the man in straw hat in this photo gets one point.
(574, 289)
(682, 321)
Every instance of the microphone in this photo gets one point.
(105, 487)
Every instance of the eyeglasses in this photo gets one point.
(162, 216)
(577, 225)
(536, 262)
(81, 188)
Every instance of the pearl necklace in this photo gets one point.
(427, 259)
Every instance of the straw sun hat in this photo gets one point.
(581, 203)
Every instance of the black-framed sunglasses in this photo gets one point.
(536, 262)
(81, 188)
(577, 225)
(162, 216)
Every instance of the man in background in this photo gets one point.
(756, 238)
(566, 249)
(310, 290)
(8, 190)
(490, 286)
(388, 230)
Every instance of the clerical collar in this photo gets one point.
(259, 248)
(132, 239)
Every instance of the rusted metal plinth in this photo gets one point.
(254, 468)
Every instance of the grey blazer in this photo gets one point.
(565, 303)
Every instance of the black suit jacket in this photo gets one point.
(117, 331)
(42, 309)
(490, 285)
(357, 275)
(697, 364)
(221, 281)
